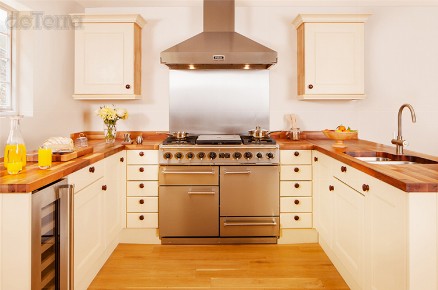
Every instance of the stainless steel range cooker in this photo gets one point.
(218, 189)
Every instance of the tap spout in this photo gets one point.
(399, 142)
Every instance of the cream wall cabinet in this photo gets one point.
(107, 56)
(142, 189)
(330, 56)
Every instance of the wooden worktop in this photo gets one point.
(32, 178)
(409, 178)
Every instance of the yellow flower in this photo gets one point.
(110, 115)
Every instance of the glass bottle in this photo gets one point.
(15, 150)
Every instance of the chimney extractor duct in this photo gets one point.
(219, 46)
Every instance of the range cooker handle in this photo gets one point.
(201, 193)
(237, 172)
(273, 223)
(187, 172)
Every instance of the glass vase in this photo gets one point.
(110, 132)
(15, 150)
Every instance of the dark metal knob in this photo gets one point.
(141, 217)
(297, 201)
(141, 153)
(297, 218)
(296, 153)
(91, 169)
(212, 155)
(259, 155)
(343, 169)
(104, 187)
(167, 155)
(247, 155)
(270, 155)
(310, 86)
(296, 169)
(122, 159)
(315, 159)
(141, 185)
(237, 155)
(141, 201)
(178, 155)
(141, 169)
(201, 155)
(190, 155)
(128, 86)
(297, 185)
(331, 187)
(365, 187)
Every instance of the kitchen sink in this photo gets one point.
(377, 157)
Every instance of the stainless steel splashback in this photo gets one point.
(218, 101)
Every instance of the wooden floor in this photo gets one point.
(303, 266)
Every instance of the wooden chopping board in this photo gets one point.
(33, 155)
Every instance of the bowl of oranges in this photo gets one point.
(341, 134)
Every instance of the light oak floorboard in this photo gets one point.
(303, 266)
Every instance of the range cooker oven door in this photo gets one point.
(188, 201)
(249, 201)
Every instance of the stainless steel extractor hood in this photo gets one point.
(219, 46)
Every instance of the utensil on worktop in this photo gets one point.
(127, 138)
(294, 132)
(139, 139)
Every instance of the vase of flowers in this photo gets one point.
(110, 115)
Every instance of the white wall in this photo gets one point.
(55, 113)
(401, 67)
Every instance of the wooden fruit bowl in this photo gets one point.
(340, 137)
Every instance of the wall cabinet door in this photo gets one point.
(107, 58)
(330, 56)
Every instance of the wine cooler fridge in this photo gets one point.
(52, 237)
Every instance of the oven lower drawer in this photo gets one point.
(249, 226)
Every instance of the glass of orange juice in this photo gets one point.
(15, 157)
(44, 157)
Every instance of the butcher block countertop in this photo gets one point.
(408, 177)
(32, 178)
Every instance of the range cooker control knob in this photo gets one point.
(190, 155)
(247, 155)
(237, 155)
(178, 155)
(167, 155)
(259, 155)
(269, 155)
(201, 155)
(212, 155)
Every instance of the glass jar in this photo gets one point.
(15, 150)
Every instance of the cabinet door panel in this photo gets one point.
(348, 225)
(102, 64)
(334, 58)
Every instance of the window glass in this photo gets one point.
(6, 103)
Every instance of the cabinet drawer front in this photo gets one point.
(295, 156)
(142, 220)
(351, 176)
(142, 172)
(296, 172)
(295, 204)
(296, 220)
(296, 188)
(142, 156)
(142, 204)
(142, 188)
(84, 177)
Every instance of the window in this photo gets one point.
(6, 98)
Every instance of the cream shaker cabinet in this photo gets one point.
(107, 56)
(330, 56)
